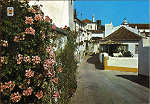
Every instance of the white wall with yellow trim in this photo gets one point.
(121, 63)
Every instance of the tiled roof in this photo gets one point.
(86, 21)
(140, 26)
(96, 38)
(96, 31)
(79, 20)
(123, 34)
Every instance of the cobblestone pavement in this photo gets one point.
(97, 86)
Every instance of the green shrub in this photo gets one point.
(68, 83)
(127, 54)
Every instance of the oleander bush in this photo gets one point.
(30, 71)
(68, 83)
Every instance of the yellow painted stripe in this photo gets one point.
(121, 68)
(118, 68)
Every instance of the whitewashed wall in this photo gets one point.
(144, 57)
(61, 12)
(146, 42)
(96, 48)
(123, 62)
(98, 35)
(91, 26)
(131, 48)
(108, 29)
(60, 43)
(144, 30)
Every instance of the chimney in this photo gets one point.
(75, 13)
(93, 18)
(98, 22)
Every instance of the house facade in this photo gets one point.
(79, 28)
(88, 31)
(95, 32)
(128, 39)
(140, 29)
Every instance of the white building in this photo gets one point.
(142, 28)
(79, 28)
(90, 25)
(61, 12)
(144, 57)
(108, 29)
(127, 38)
(96, 32)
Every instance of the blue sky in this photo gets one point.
(135, 11)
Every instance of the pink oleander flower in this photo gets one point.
(43, 36)
(53, 27)
(2, 87)
(56, 95)
(53, 61)
(47, 19)
(19, 59)
(55, 80)
(27, 31)
(47, 64)
(10, 85)
(27, 59)
(38, 17)
(15, 97)
(30, 31)
(49, 49)
(28, 81)
(27, 0)
(50, 73)
(60, 69)
(29, 20)
(27, 92)
(31, 10)
(52, 54)
(38, 84)
(39, 95)
(20, 56)
(2, 59)
(36, 59)
(29, 73)
(16, 39)
(5, 43)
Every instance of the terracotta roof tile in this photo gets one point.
(96, 31)
(86, 21)
(140, 26)
(123, 34)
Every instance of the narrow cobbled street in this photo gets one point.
(97, 86)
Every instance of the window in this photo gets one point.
(136, 49)
(89, 27)
(123, 47)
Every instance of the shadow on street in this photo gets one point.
(134, 78)
(95, 60)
